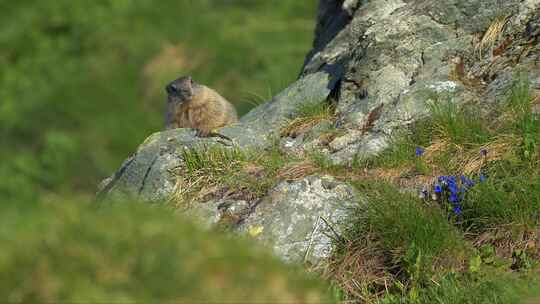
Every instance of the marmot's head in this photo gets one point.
(181, 89)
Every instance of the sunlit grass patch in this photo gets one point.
(523, 122)
(397, 243)
(454, 135)
(459, 124)
(225, 172)
(505, 213)
(484, 288)
(306, 116)
(400, 153)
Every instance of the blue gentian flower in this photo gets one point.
(482, 178)
(457, 209)
(466, 182)
(438, 189)
(419, 151)
(453, 198)
(453, 188)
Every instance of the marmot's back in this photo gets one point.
(192, 105)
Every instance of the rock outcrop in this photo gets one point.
(381, 62)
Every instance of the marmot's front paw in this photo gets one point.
(202, 133)
(213, 133)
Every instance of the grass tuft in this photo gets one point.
(306, 116)
(396, 244)
(403, 249)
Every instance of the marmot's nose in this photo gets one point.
(171, 88)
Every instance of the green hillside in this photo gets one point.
(82, 82)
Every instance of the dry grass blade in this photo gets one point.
(492, 34)
(301, 125)
(308, 116)
(473, 161)
(296, 171)
(359, 270)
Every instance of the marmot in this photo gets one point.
(193, 105)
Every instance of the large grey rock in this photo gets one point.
(402, 55)
(300, 219)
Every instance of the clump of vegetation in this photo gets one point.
(65, 251)
(227, 172)
(475, 219)
(401, 245)
(306, 116)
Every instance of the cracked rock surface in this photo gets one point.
(382, 62)
(403, 55)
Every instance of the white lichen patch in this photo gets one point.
(443, 86)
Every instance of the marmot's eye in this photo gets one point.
(171, 88)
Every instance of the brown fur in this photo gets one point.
(192, 105)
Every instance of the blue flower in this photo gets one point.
(419, 151)
(453, 188)
(482, 178)
(467, 182)
(454, 198)
(457, 209)
(442, 179)
(437, 188)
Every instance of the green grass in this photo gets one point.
(307, 115)
(70, 251)
(404, 249)
(486, 288)
(458, 124)
(211, 159)
(506, 201)
(313, 109)
(396, 245)
(216, 170)
(525, 123)
(422, 229)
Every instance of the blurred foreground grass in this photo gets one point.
(60, 251)
(81, 83)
